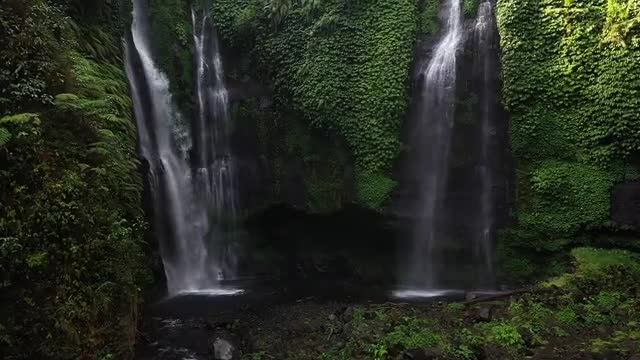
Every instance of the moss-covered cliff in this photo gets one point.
(571, 83)
(338, 69)
(71, 219)
(321, 91)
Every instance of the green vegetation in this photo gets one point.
(571, 89)
(72, 259)
(71, 221)
(550, 322)
(341, 66)
(172, 43)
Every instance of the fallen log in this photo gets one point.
(507, 294)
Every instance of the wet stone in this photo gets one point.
(222, 349)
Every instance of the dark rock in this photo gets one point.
(346, 328)
(607, 355)
(434, 353)
(625, 204)
(603, 330)
(635, 357)
(414, 354)
(527, 336)
(369, 315)
(222, 349)
(470, 296)
(494, 352)
(543, 354)
(484, 314)
(421, 354)
(582, 356)
(347, 315)
(396, 350)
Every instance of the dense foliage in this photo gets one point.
(571, 85)
(342, 66)
(589, 313)
(71, 223)
(70, 194)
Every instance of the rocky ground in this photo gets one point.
(307, 329)
(592, 314)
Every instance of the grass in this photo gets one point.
(592, 260)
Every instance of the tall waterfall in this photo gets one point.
(215, 169)
(436, 113)
(485, 69)
(212, 150)
(183, 216)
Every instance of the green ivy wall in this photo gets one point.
(340, 67)
(571, 72)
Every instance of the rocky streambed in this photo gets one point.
(287, 323)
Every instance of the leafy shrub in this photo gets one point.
(506, 335)
(413, 333)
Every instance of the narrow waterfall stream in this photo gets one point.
(453, 223)
(485, 68)
(437, 105)
(215, 180)
(183, 217)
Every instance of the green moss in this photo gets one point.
(172, 42)
(343, 66)
(429, 20)
(413, 333)
(574, 115)
(506, 335)
(592, 262)
(374, 189)
(470, 8)
(597, 260)
(567, 196)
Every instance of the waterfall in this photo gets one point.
(214, 160)
(216, 170)
(182, 216)
(436, 115)
(485, 68)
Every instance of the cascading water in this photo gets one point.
(454, 161)
(215, 168)
(183, 220)
(436, 113)
(485, 68)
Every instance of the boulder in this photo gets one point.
(481, 314)
(484, 314)
(222, 349)
(607, 355)
(625, 204)
(527, 336)
(347, 315)
(421, 354)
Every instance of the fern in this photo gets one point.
(5, 136)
